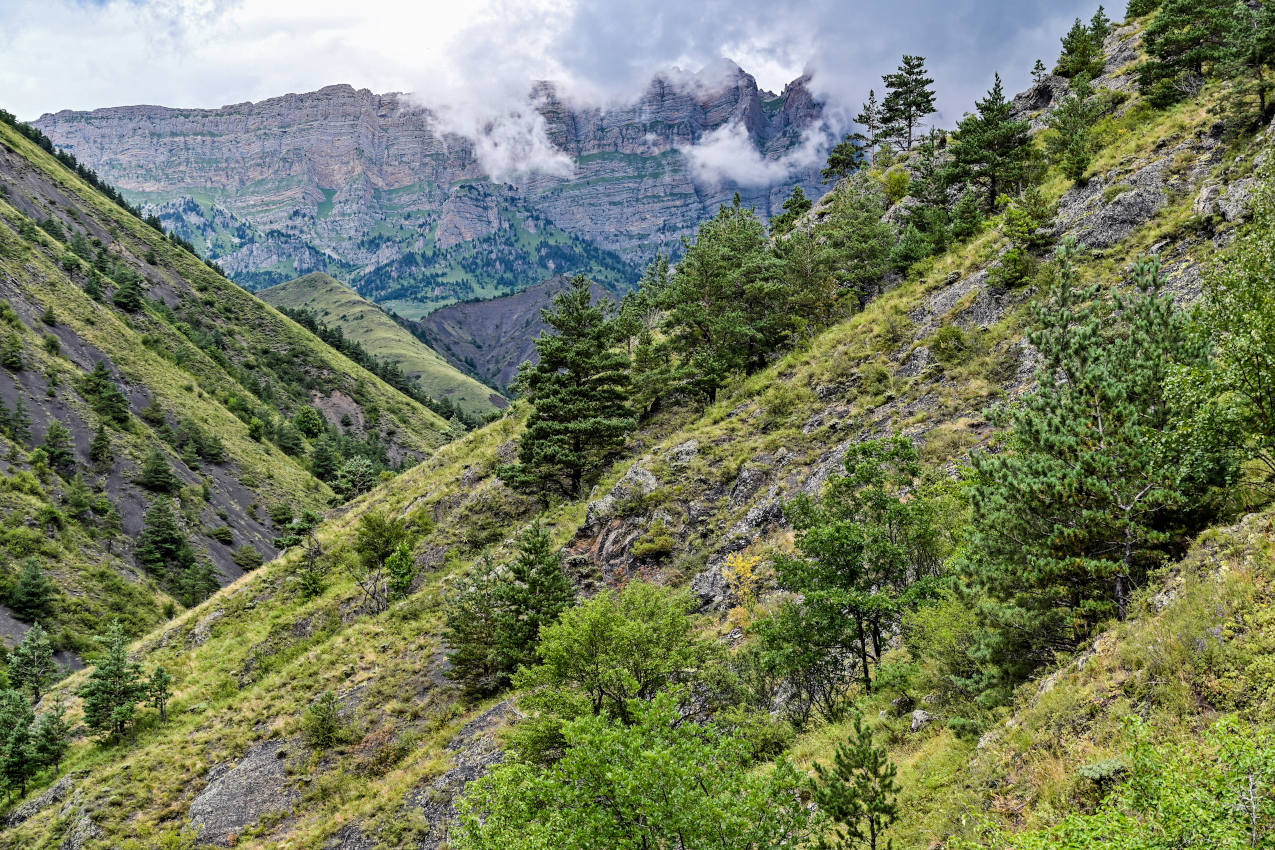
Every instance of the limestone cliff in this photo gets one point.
(370, 187)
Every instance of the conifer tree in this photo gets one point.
(159, 692)
(858, 792)
(325, 459)
(993, 150)
(31, 665)
(59, 448)
(114, 687)
(1072, 145)
(128, 295)
(11, 356)
(909, 99)
(1081, 53)
(162, 548)
(32, 596)
(1249, 56)
(843, 160)
(1187, 39)
(1102, 472)
(156, 475)
(20, 422)
(795, 207)
(197, 582)
(726, 304)
(16, 765)
(856, 243)
(578, 396)
(107, 400)
(93, 286)
(1100, 25)
(534, 593)
(1039, 71)
(871, 120)
(50, 737)
(470, 635)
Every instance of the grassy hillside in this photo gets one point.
(926, 357)
(336, 305)
(203, 372)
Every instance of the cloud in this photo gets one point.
(473, 63)
(728, 155)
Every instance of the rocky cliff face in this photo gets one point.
(371, 189)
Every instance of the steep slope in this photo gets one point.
(200, 371)
(373, 189)
(232, 766)
(335, 304)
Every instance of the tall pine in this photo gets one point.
(535, 592)
(992, 149)
(578, 394)
(908, 100)
(114, 687)
(1102, 472)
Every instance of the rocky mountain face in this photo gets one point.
(491, 339)
(372, 188)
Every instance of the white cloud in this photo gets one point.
(472, 61)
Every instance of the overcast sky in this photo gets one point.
(475, 57)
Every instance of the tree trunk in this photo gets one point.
(863, 656)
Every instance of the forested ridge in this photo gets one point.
(934, 514)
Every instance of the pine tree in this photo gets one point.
(856, 243)
(16, 765)
(727, 307)
(51, 737)
(795, 207)
(843, 160)
(32, 597)
(1186, 40)
(871, 120)
(114, 687)
(59, 448)
(128, 295)
(31, 664)
(11, 356)
(1249, 55)
(1072, 145)
(534, 593)
(197, 582)
(1081, 53)
(992, 149)
(20, 423)
(578, 397)
(325, 459)
(1100, 25)
(159, 692)
(909, 99)
(99, 388)
(162, 548)
(156, 475)
(1102, 471)
(93, 286)
(858, 792)
(1039, 71)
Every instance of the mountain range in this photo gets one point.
(374, 189)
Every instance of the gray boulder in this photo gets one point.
(239, 796)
